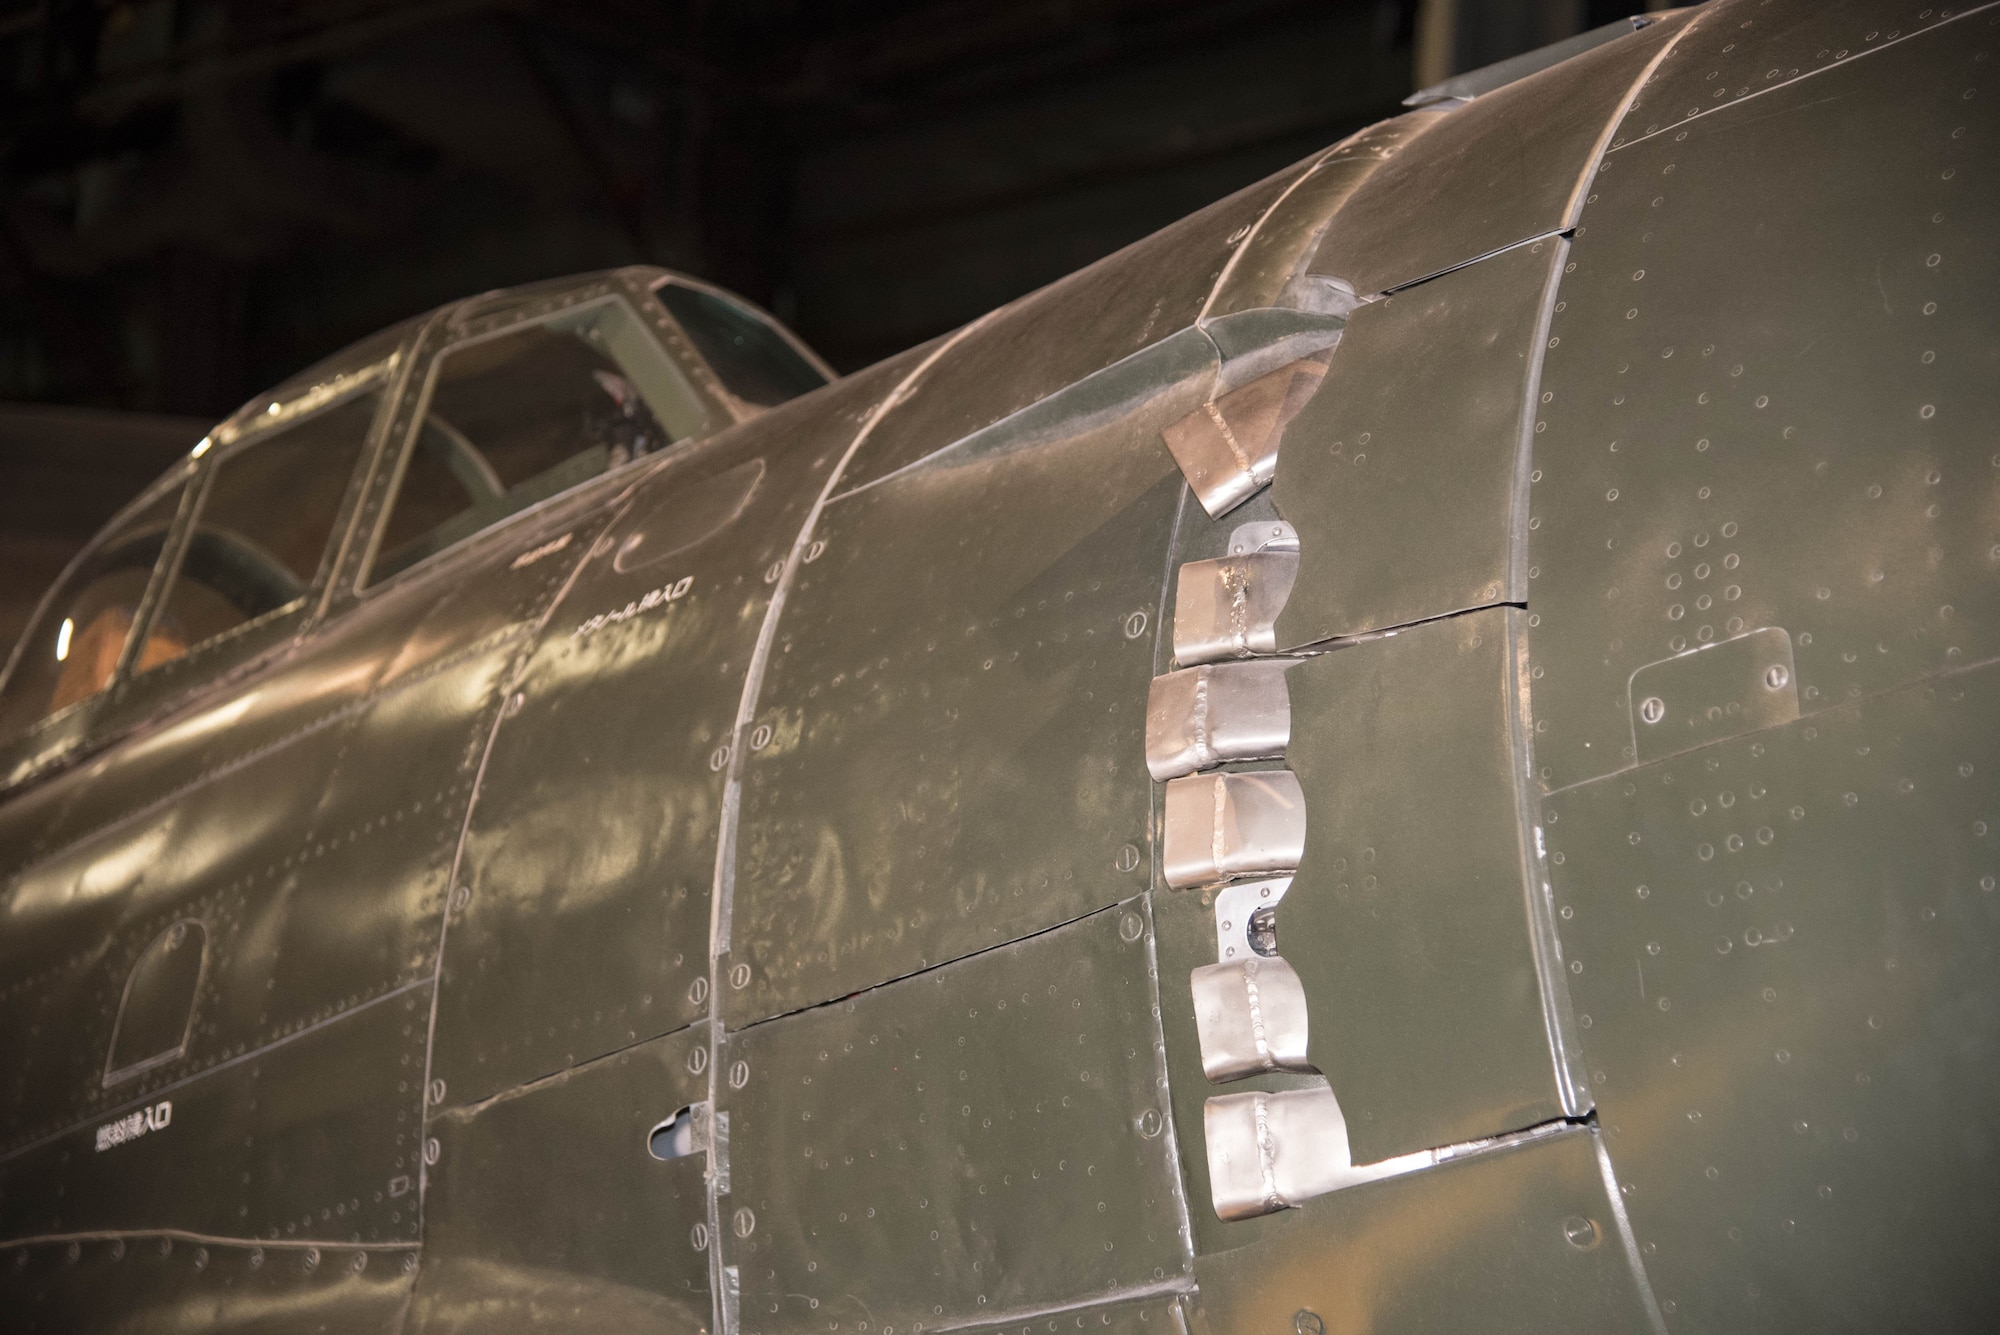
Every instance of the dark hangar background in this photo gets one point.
(199, 197)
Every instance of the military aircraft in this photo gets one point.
(1415, 751)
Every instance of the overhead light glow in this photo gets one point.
(63, 632)
(200, 448)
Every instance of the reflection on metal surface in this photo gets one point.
(1783, 950)
(1717, 691)
(1227, 825)
(896, 1154)
(1228, 447)
(1420, 430)
(1238, 910)
(1416, 914)
(691, 512)
(1270, 1151)
(1202, 716)
(1515, 1239)
(1228, 607)
(1264, 535)
(1251, 1016)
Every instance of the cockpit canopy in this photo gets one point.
(521, 396)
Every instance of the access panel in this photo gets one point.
(1771, 379)
(948, 751)
(1406, 474)
(1784, 949)
(554, 1201)
(1414, 920)
(978, 1143)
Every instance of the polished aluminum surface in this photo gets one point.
(1251, 1016)
(1228, 447)
(1202, 716)
(1226, 825)
(1228, 608)
(1270, 1151)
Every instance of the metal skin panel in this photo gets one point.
(1228, 607)
(1203, 716)
(1419, 428)
(317, 1138)
(1783, 950)
(1410, 922)
(1520, 1239)
(1219, 826)
(318, 868)
(963, 658)
(172, 1282)
(545, 1207)
(1138, 297)
(1270, 267)
(1770, 385)
(590, 856)
(985, 1139)
(81, 919)
(1164, 1315)
(1491, 174)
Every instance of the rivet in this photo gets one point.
(1305, 1321)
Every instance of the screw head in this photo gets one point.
(1652, 709)
(1581, 1233)
(1776, 676)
